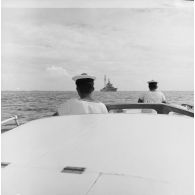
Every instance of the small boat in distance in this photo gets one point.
(108, 86)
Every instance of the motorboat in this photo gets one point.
(126, 153)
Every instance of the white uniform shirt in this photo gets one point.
(76, 106)
(153, 97)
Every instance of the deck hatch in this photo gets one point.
(4, 164)
(74, 170)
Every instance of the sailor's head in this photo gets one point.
(84, 84)
(153, 85)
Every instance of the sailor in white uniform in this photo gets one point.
(86, 104)
(153, 95)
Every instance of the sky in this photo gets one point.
(96, 3)
(42, 48)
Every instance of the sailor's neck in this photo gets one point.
(153, 90)
(86, 98)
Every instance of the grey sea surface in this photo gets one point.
(31, 105)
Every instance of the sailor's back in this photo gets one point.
(153, 97)
(78, 106)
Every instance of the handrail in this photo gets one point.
(160, 108)
(15, 118)
(188, 106)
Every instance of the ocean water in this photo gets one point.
(31, 105)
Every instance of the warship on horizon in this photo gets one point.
(108, 86)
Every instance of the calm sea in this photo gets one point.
(31, 105)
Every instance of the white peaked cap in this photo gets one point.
(152, 81)
(83, 76)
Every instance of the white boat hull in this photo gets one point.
(123, 154)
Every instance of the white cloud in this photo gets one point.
(58, 71)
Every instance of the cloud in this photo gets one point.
(124, 44)
(57, 71)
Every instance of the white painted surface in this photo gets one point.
(152, 152)
(120, 184)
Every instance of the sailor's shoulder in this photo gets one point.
(160, 92)
(94, 102)
(102, 104)
(68, 101)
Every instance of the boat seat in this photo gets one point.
(134, 111)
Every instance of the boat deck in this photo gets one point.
(119, 153)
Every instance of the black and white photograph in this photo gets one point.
(97, 97)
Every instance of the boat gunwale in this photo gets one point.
(160, 108)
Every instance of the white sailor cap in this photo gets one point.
(152, 81)
(83, 76)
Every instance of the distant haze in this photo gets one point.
(43, 48)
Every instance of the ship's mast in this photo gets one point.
(104, 80)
